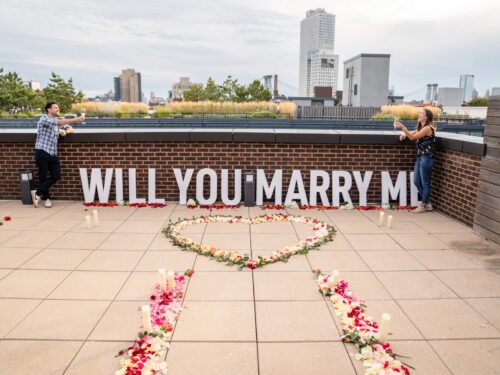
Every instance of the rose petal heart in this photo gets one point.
(323, 233)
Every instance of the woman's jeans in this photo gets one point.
(422, 176)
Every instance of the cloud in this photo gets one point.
(92, 41)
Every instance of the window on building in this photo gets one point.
(327, 63)
(355, 89)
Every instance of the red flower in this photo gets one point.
(7, 218)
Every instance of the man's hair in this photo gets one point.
(48, 105)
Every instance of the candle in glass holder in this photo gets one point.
(171, 280)
(389, 221)
(383, 329)
(381, 218)
(163, 279)
(146, 318)
(88, 222)
(95, 215)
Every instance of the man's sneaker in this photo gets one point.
(35, 198)
(419, 209)
(428, 207)
(48, 203)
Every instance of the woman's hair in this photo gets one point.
(428, 122)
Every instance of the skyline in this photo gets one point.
(93, 42)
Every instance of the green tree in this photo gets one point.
(241, 94)
(213, 91)
(62, 92)
(195, 93)
(480, 101)
(228, 89)
(258, 92)
(15, 97)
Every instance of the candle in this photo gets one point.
(163, 279)
(171, 280)
(87, 221)
(146, 318)
(95, 215)
(389, 222)
(381, 218)
(332, 279)
(383, 329)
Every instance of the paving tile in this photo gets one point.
(365, 227)
(372, 242)
(31, 283)
(339, 242)
(273, 228)
(295, 321)
(226, 228)
(336, 260)
(444, 227)
(21, 223)
(55, 225)
(414, 285)
(97, 358)
(447, 319)
(169, 260)
(419, 242)
(6, 234)
(83, 241)
(161, 242)
(297, 262)
(90, 285)
(444, 260)
(32, 239)
(285, 286)
(229, 321)
(471, 283)
(390, 261)
(365, 285)
(304, 358)
(139, 286)
(488, 307)
(227, 241)
(186, 358)
(140, 226)
(151, 214)
(44, 358)
(13, 257)
(57, 259)
(105, 226)
(346, 215)
(13, 311)
(466, 357)
(222, 286)
(121, 321)
(127, 241)
(111, 260)
(61, 320)
(207, 264)
(401, 327)
(273, 241)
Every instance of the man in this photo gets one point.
(48, 129)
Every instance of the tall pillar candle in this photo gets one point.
(383, 329)
(146, 318)
(171, 280)
(163, 279)
(389, 222)
(381, 218)
(95, 216)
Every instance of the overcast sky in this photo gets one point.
(92, 40)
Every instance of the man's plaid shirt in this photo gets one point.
(47, 134)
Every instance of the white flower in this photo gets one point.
(347, 206)
(191, 203)
(293, 204)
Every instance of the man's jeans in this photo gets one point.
(422, 176)
(47, 164)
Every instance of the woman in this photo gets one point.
(425, 140)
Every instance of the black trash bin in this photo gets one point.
(249, 188)
(27, 184)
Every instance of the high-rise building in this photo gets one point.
(366, 80)
(34, 85)
(128, 86)
(432, 90)
(180, 87)
(495, 91)
(467, 84)
(318, 64)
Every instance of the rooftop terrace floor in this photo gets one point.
(69, 296)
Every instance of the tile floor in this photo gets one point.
(69, 295)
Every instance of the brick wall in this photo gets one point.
(454, 182)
